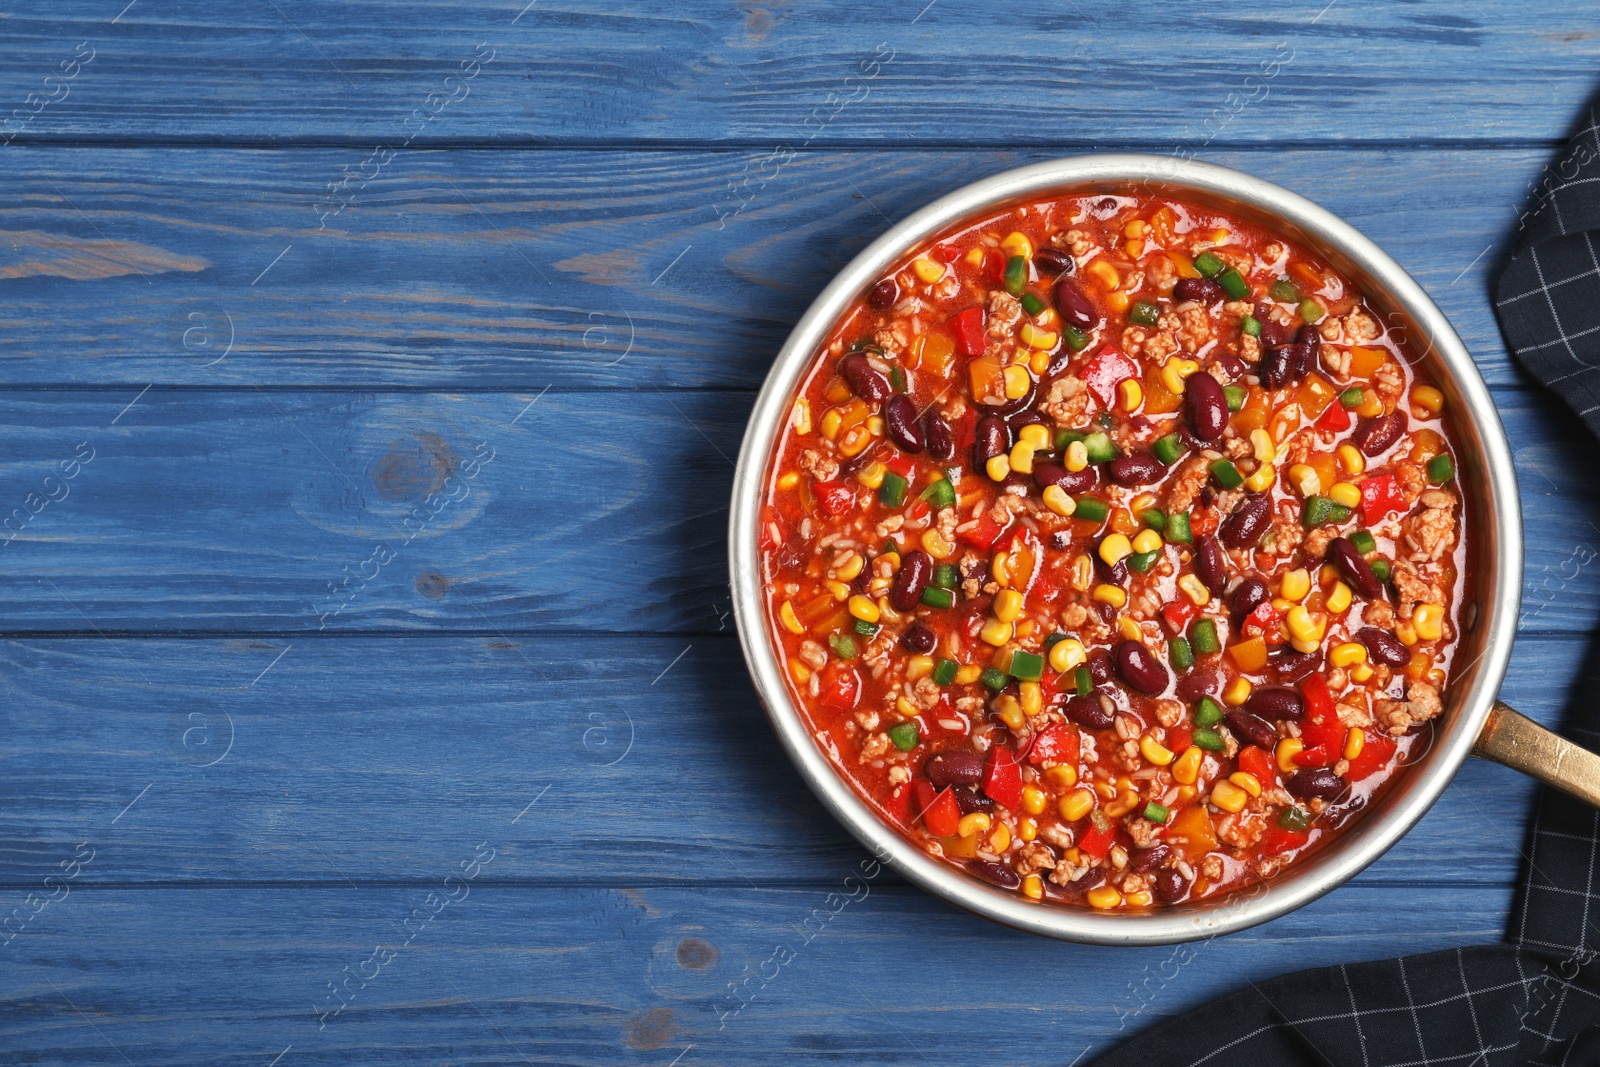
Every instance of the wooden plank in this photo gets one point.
(298, 512)
(513, 270)
(499, 73)
(618, 761)
(581, 975)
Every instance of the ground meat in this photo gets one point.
(1299, 448)
(1249, 348)
(970, 705)
(1005, 312)
(1074, 616)
(1360, 326)
(874, 747)
(1211, 868)
(1354, 715)
(1397, 716)
(1163, 274)
(1237, 447)
(812, 655)
(945, 287)
(925, 693)
(892, 339)
(1317, 541)
(1430, 532)
(1195, 331)
(1035, 856)
(1411, 479)
(820, 466)
(1168, 713)
(1378, 613)
(1286, 536)
(1241, 830)
(1186, 485)
(1002, 511)
(1069, 402)
(1337, 360)
(1389, 382)
(1144, 832)
(1075, 241)
(1414, 588)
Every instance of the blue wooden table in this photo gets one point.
(372, 377)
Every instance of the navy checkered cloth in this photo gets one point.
(1536, 999)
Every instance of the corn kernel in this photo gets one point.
(1021, 459)
(1036, 435)
(1187, 768)
(1261, 479)
(1140, 899)
(1115, 548)
(1028, 830)
(1106, 790)
(974, 257)
(1063, 776)
(1246, 781)
(1057, 500)
(801, 416)
(1302, 623)
(975, 823)
(996, 633)
(850, 567)
(1065, 655)
(1146, 541)
(1000, 568)
(1305, 479)
(1175, 370)
(1428, 398)
(1110, 594)
(1195, 590)
(1039, 363)
(1018, 382)
(1105, 272)
(790, 620)
(999, 838)
(1261, 446)
(937, 544)
(1040, 339)
(969, 674)
(832, 419)
(1287, 750)
(1077, 456)
(1119, 301)
(855, 439)
(929, 270)
(1155, 751)
(1354, 742)
(1031, 696)
(840, 591)
(1017, 244)
(1348, 654)
(1295, 585)
(1103, 897)
(1129, 629)
(1082, 572)
(1033, 800)
(800, 672)
(1228, 797)
(1344, 494)
(1237, 693)
(1339, 598)
(906, 709)
(1130, 394)
(1126, 801)
(918, 667)
(1351, 459)
(998, 467)
(1371, 404)
(1133, 228)
(1281, 604)
(1010, 711)
(1033, 885)
(863, 608)
(1405, 631)
(1007, 605)
(1076, 804)
(1429, 621)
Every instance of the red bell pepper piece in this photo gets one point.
(1098, 837)
(898, 804)
(841, 687)
(1376, 752)
(1106, 371)
(1266, 622)
(994, 269)
(1277, 840)
(946, 253)
(983, 534)
(942, 815)
(967, 329)
(1179, 614)
(1334, 418)
(1322, 732)
(1056, 743)
(1258, 763)
(1179, 738)
(834, 498)
(1380, 496)
(966, 428)
(1002, 780)
(901, 464)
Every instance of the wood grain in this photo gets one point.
(618, 761)
(901, 72)
(513, 270)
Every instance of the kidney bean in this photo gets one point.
(1375, 436)
(915, 572)
(1021, 403)
(866, 380)
(1384, 647)
(1107, 613)
(900, 419)
(1197, 683)
(1140, 669)
(991, 438)
(1315, 783)
(1111, 573)
(1170, 886)
(1358, 571)
(1145, 859)
(1206, 406)
(1247, 596)
(970, 800)
(1289, 666)
(1243, 529)
(1071, 482)
(1090, 879)
(1089, 712)
(1099, 664)
(1275, 703)
(1202, 289)
(1254, 729)
(1135, 469)
(1054, 259)
(1230, 365)
(959, 766)
(1211, 564)
(996, 873)
(1273, 332)
(940, 438)
(1075, 307)
(919, 640)
(1276, 365)
(883, 295)
(1060, 360)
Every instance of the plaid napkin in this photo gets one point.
(1536, 999)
